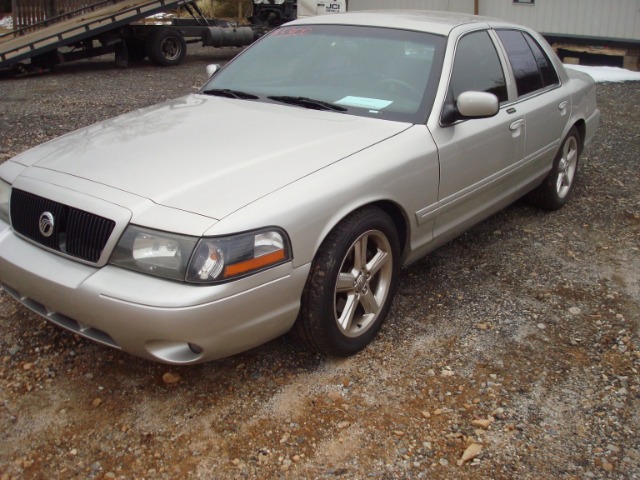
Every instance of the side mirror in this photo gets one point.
(471, 105)
(477, 104)
(212, 69)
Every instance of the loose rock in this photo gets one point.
(170, 378)
(471, 452)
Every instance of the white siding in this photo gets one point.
(465, 6)
(589, 18)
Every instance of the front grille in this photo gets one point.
(77, 233)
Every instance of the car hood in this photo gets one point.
(208, 155)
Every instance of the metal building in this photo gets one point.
(585, 27)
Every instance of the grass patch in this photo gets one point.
(226, 8)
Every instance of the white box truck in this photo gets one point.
(276, 12)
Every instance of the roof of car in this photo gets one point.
(437, 22)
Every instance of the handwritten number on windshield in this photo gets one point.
(291, 31)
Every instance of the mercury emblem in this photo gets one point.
(46, 224)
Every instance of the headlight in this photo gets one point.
(5, 195)
(226, 258)
(154, 252)
(200, 260)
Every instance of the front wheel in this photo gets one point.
(351, 284)
(554, 191)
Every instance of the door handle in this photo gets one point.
(516, 125)
(563, 105)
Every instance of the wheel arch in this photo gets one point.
(391, 208)
(400, 220)
(581, 126)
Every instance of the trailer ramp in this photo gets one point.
(25, 44)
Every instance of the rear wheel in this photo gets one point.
(351, 284)
(166, 47)
(556, 188)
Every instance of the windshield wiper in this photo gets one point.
(308, 103)
(225, 92)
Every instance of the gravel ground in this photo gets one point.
(518, 342)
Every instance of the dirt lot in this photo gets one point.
(521, 337)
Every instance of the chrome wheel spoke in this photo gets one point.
(348, 313)
(360, 252)
(560, 182)
(363, 283)
(369, 303)
(562, 165)
(378, 261)
(567, 167)
(346, 282)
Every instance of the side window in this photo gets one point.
(549, 75)
(531, 67)
(477, 68)
(523, 63)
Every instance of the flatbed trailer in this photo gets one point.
(113, 26)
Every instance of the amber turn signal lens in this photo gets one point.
(255, 263)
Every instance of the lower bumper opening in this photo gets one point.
(174, 352)
(62, 320)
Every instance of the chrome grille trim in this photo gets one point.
(77, 233)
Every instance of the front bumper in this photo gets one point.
(150, 317)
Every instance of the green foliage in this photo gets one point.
(225, 8)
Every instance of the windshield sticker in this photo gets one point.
(362, 102)
(291, 31)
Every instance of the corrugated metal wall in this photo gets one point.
(465, 6)
(589, 18)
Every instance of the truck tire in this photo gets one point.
(137, 50)
(166, 47)
(46, 61)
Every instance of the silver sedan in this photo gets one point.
(289, 191)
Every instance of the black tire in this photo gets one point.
(137, 51)
(46, 61)
(166, 47)
(323, 324)
(555, 190)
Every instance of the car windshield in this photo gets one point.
(373, 72)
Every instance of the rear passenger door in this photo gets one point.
(540, 99)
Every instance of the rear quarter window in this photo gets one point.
(548, 73)
(530, 65)
(523, 63)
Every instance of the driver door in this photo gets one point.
(476, 155)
